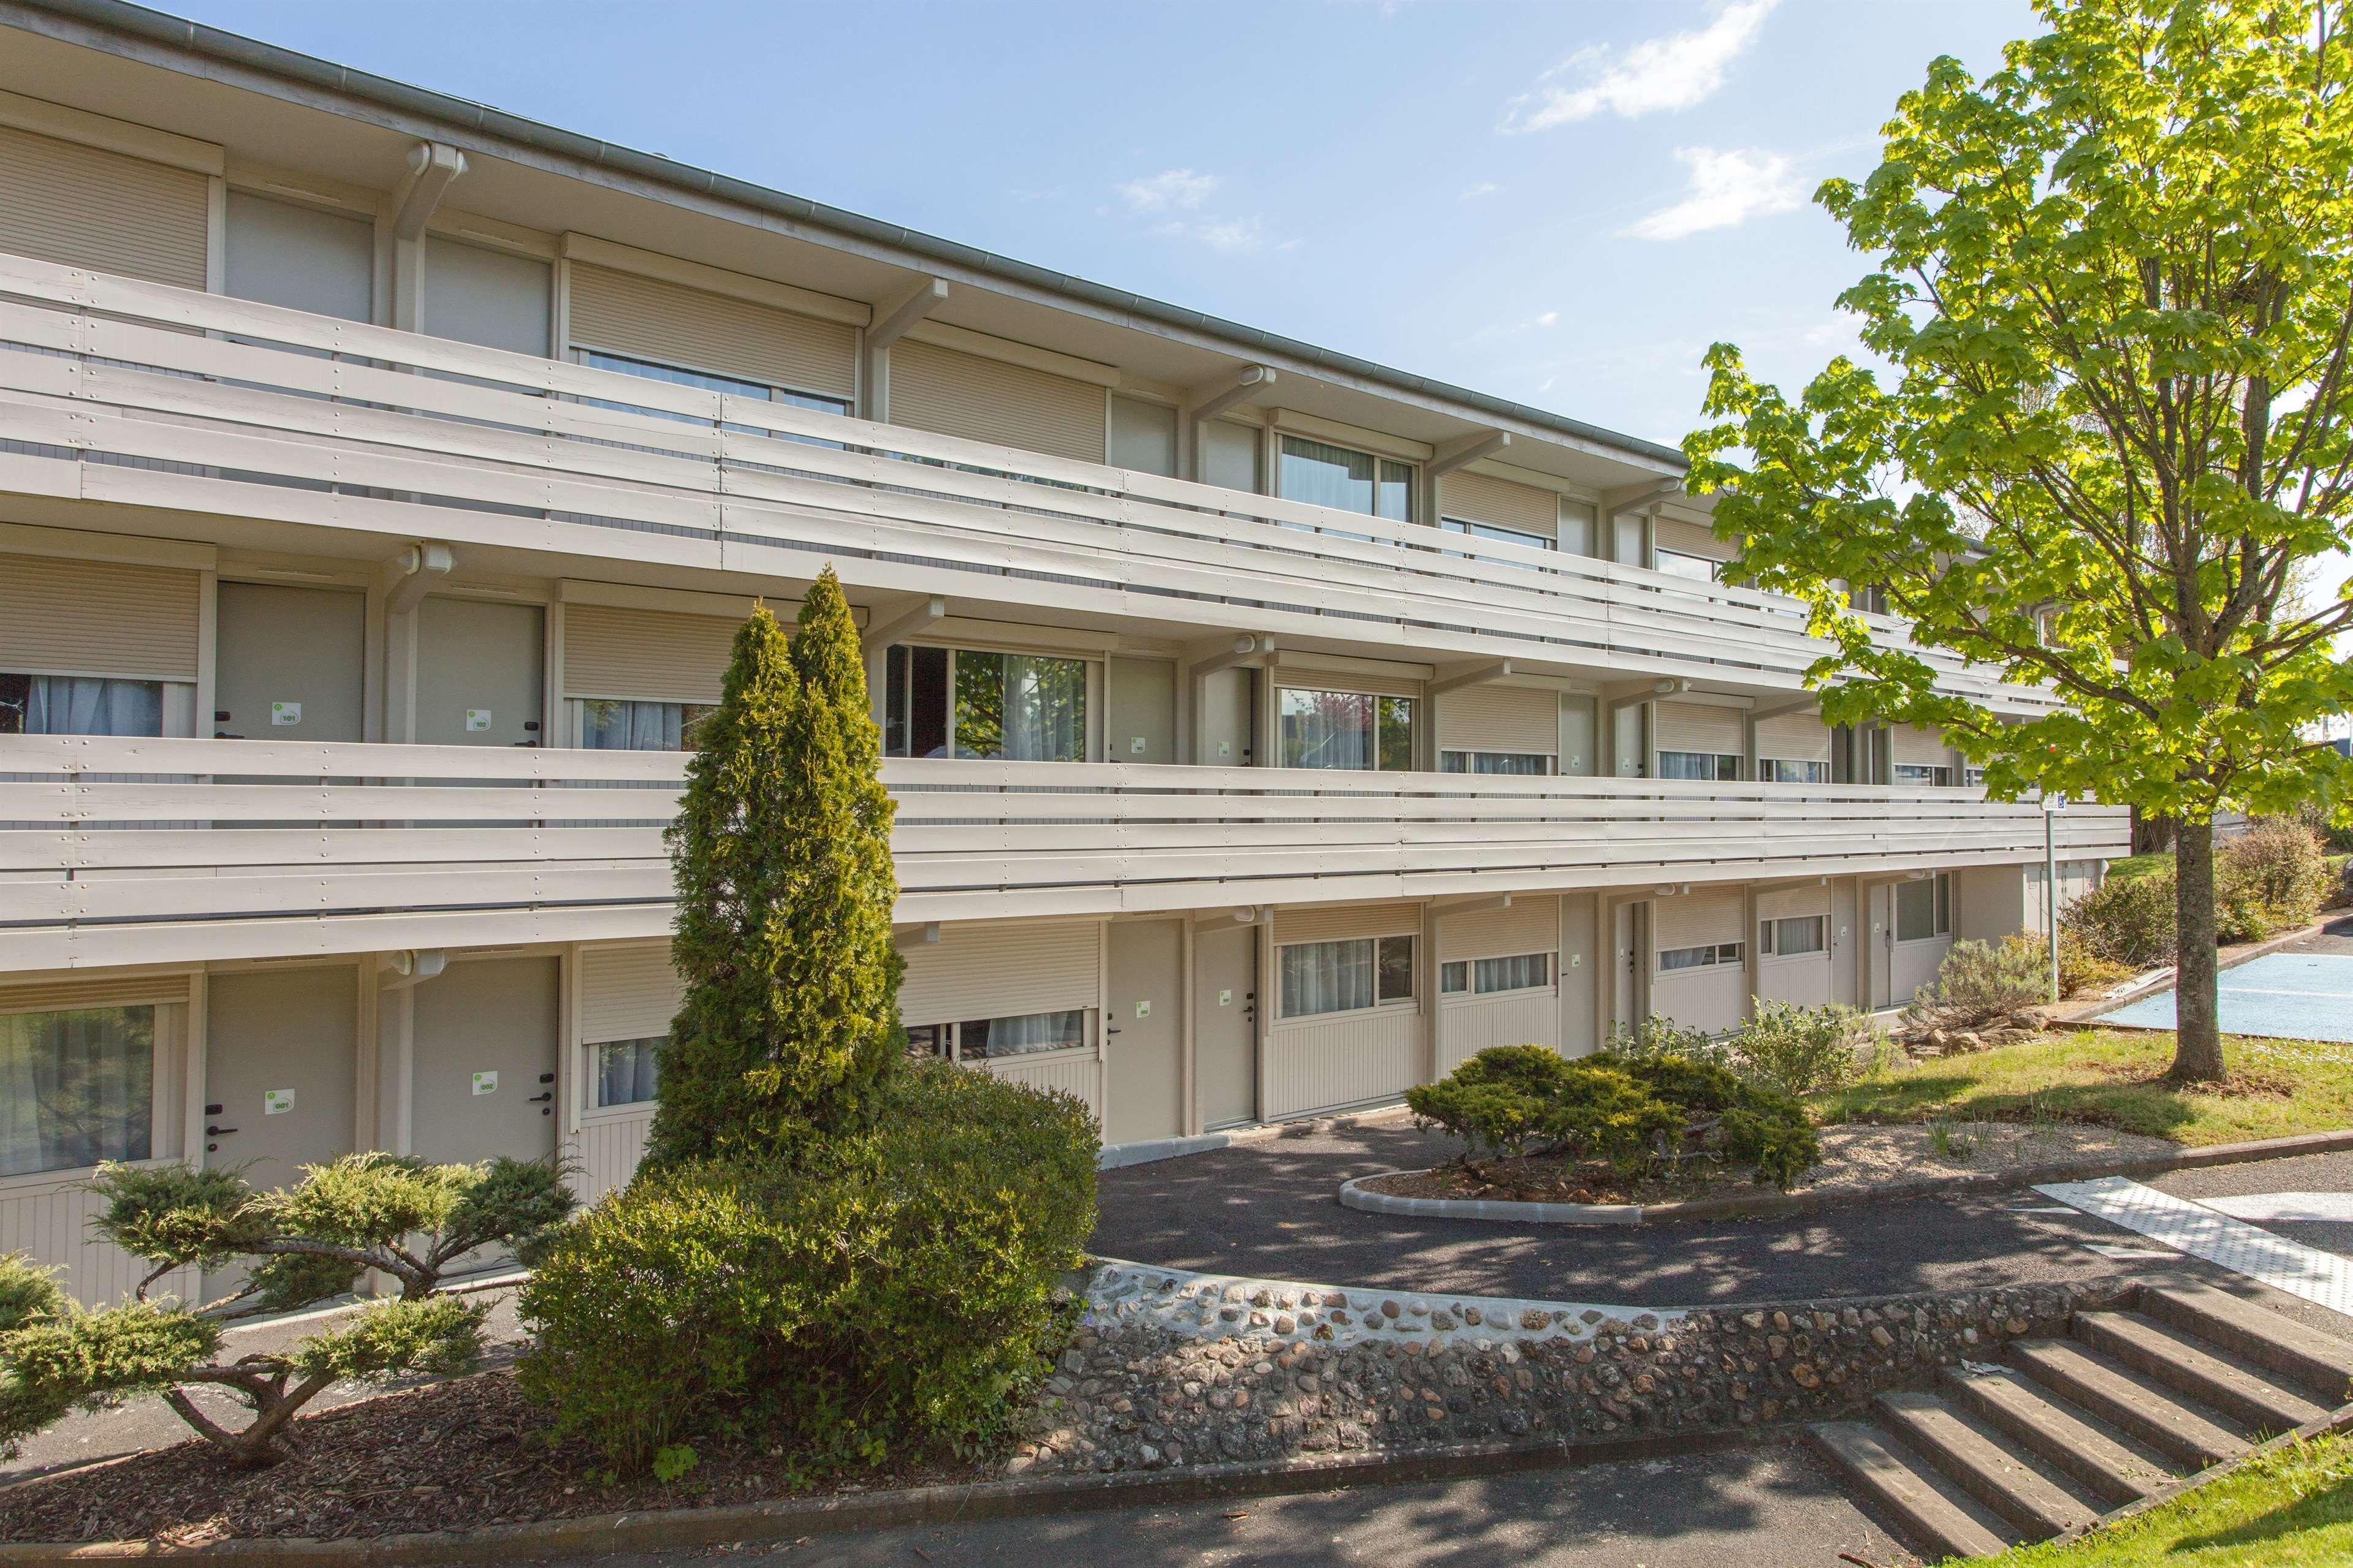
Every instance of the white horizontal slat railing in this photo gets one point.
(143, 394)
(304, 848)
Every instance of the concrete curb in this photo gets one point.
(678, 1529)
(1355, 1194)
(1767, 1204)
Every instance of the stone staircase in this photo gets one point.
(2069, 1429)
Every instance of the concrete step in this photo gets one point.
(1904, 1491)
(2182, 1361)
(2056, 1432)
(2320, 1364)
(2163, 1420)
(1988, 1471)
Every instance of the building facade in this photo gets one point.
(382, 479)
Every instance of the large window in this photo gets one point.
(1715, 767)
(1526, 764)
(1484, 976)
(679, 375)
(1675, 564)
(624, 1072)
(76, 1087)
(1924, 910)
(1923, 774)
(608, 724)
(80, 705)
(1344, 730)
(1782, 770)
(1320, 977)
(1348, 480)
(1793, 936)
(985, 1039)
(1008, 707)
(1709, 955)
(1495, 530)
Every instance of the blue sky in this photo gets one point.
(1561, 202)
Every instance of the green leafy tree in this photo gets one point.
(782, 851)
(2115, 283)
(404, 1217)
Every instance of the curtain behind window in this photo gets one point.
(1327, 977)
(80, 705)
(76, 1087)
(629, 1072)
(609, 725)
(1326, 729)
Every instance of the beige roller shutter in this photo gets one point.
(1313, 679)
(1699, 727)
(1690, 539)
(1787, 903)
(1499, 718)
(1530, 925)
(644, 655)
(1480, 497)
(933, 388)
(649, 318)
(1795, 738)
(1924, 748)
(1696, 920)
(81, 206)
(120, 990)
(1339, 922)
(627, 992)
(98, 617)
(1002, 970)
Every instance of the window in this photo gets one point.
(1349, 976)
(1520, 971)
(1453, 978)
(1008, 707)
(1493, 531)
(985, 1039)
(1924, 910)
(1919, 773)
(1521, 763)
(76, 1087)
(1974, 778)
(624, 1072)
(1793, 936)
(608, 724)
(679, 375)
(1675, 564)
(80, 705)
(1705, 957)
(1346, 730)
(1716, 767)
(1780, 770)
(1347, 481)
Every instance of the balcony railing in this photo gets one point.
(143, 394)
(228, 848)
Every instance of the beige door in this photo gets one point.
(1227, 701)
(478, 680)
(1630, 975)
(290, 663)
(1143, 1033)
(1580, 746)
(1879, 952)
(281, 1074)
(1225, 1026)
(484, 1061)
(1142, 726)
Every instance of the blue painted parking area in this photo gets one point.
(2286, 995)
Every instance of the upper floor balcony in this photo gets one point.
(117, 850)
(196, 409)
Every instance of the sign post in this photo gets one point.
(2052, 806)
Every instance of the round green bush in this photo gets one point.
(895, 1292)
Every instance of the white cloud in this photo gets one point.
(1235, 236)
(1673, 72)
(1170, 190)
(1725, 189)
(1483, 188)
(1549, 319)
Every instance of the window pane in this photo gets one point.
(1326, 476)
(1944, 903)
(1712, 767)
(1699, 957)
(978, 1039)
(894, 700)
(1491, 530)
(1520, 971)
(1045, 708)
(1453, 977)
(1780, 770)
(1915, 911)
(80, 705)
(1676, 565)
(930, 1039)
(76, 1087)
(1327, 977)
(1397, 969)
(927, 702)
(1397, 734)
(1518, 765)
(1325, 729)
(1395, 499)
(608, 725)
(627, 1071)
(1794, 935)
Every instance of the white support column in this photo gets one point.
(1205, 404)
(890, 326)
(1447, 458)
(432, 166)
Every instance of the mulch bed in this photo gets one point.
(468, 1452)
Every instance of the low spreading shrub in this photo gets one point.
(1657, 1036)
(1643, 1116)
(1798, 1049)
(1980, 982)
(895, 1290)
(2126, 920)
(2271, 878)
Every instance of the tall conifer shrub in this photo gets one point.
(782, 856)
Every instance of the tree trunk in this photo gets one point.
(2198, 1035)
(2150, 832)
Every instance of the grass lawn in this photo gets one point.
(2291, 1509)
(2141, 865)
(2115, 1079)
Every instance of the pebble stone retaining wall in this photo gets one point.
(1169, 1369)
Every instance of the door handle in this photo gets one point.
(218, 1132)
(541, 1099)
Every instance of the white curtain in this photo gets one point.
(616, 726)
(629, 1072)
(76, 1087)
(1326, 729)
(1521, 972)
(92, 705)
(1520, 764)
(1327, 977)
(1045, 709)
(1021, 1034)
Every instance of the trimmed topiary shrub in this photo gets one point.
(895, 1290)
